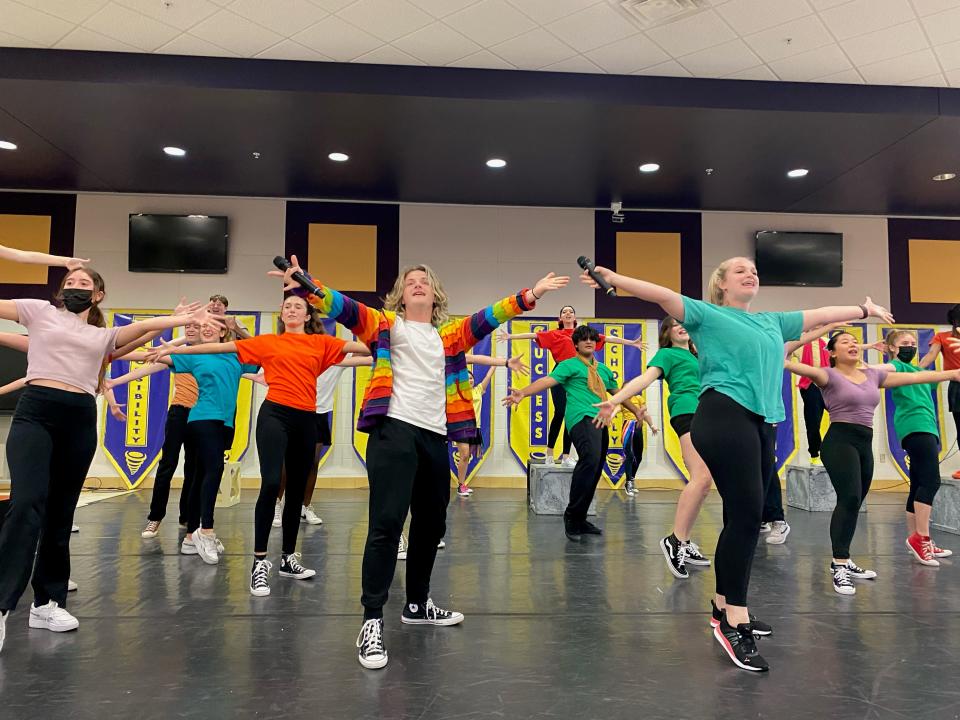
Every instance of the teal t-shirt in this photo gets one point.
(572, 374)
(681, 371)
(741, 353)
(218, 379)
(913, 405)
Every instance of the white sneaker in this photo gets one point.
(858, 572)
(258, 577)
(441, 545)
(75, 528)
(548, 459)
(278, 514)
(569, 462)
(206, 546)
(307, 514)
(151, 530)
(765, 527)
(52, 617)
(3, 627)
(402, 548)
(778, 532)
(72, 586)
(187, 547)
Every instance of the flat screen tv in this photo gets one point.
(805, 259)
(178, 243)
(13, 366)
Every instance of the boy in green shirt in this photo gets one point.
(586, 382)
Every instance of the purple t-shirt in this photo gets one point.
(848, 402)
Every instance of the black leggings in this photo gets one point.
(208, 439)
(924, 451)
(812, 417)
(286, 438)
(52, 439)
(737, 447)
(174, 435)
(559, 396)
(848, 457)
(633, 453)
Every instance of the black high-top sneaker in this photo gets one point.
(676, 554)
(372, 654)
(760, 628)
(429, 614)
(739, 644)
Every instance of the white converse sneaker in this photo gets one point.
(72, 586)
(206, 547)
(151, 530)
(278, 514)
(307, 514)
(858, 572)
(258, 577)
(52, 617)
(372, 654)
(402, 548)
(187, 547)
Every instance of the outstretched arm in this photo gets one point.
(845, 313)
(818, 375)
(931, 356)
(15, 341)
(357, 360)
(140, 372)
(898, 379)
(13, 386)
(636, 386)
(670, 300)
(809, 337)
(515, 397)
(504, 335)
(192, 313)
(214, 348)
(515, 363)
(485, 383)
(29, 257)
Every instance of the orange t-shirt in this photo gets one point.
(951, 355)
(291, 363)
(185, 391)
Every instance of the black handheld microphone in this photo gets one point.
(591, 268)
(305, 282)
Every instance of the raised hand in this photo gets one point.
(203, 315)
(503, 335)
(288, 282)
(514, 397)
(185, 308)
(548, 282)
(518, 365)
(877, 311)
(159, 351)
(603, 272)
(879, 346)
(607, 410)
(77, 263)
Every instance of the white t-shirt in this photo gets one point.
(327, 387)
(416, 354)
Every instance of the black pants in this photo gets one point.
(408, 470)
(174, 437)
(591, 443)
(52, 439)
(286, 438)
(848, 458)
(633, 452)
(812, 417)
(209, 439)
(736, 446)
(924, 451)
(559, 396)
(772, 494)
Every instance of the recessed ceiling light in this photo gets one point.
(944, 176)
(338, 157)
(797, 172)
(649, 167)
(7, 145)
(496, 163)
(174, 151)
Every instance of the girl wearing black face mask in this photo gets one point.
(53, 438)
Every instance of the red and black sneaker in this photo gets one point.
(760, 628)
(740, 645)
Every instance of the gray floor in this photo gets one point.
(553, 629)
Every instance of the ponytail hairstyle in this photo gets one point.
(714, 291)
(832, 344)
(313, 325)
(953, 317)
(560, 321)
(892, 337)
(663, 339)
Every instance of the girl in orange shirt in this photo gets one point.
(948, 343)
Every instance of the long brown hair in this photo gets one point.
(313, 325)
(663, 339)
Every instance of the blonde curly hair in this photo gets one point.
(394, 299)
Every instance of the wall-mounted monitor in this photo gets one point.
(178, 243)
(804, 259)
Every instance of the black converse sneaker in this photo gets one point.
(290, 567)
(588, 528)
(676, 554)
(372, 654)
(429, 614)
(258, 577)
(693, 556)
(841, 579)
(858, 572)
(760, 628)
(739, 644)
(572, 530)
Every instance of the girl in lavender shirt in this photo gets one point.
(851, 394)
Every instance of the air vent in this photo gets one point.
(648, 13)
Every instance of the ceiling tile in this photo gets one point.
(885, 44)
(953, 77)
(627, 55)
(863, 16)
(290, 50)
(760, 72)
(750, 16)
(437, 44)
(804, 34)
(949, 55)
(590, 28)
(576, 64)
(929, 7)
(287, 17)
(546, 11)
(482, 59)
(844, 77)
(331, 5)
(386, 19)
(720, 60)
(900, 69)
(31, 24)
(813, 64)
(338, 39)
(490, 22)
(442, 8)
(819, 5)
(187, 44)
(131, 27)
(937, 80)
(85, 39)
(8, 40)
(941, 28)
(533, 50)
(183, 15)
(691, 34)
(236, 34)
(671, 68)
(76, 11)
(388, 55)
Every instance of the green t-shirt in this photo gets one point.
(741, 353)
(572, 374)
(681, 371)
(913, 405)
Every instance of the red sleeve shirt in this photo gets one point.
(559, 343)
(951, 357)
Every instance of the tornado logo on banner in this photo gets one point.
(528, 424)
(924, 335)
(484, 422)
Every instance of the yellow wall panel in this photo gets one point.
(343, 256)
(24, 232)
(653, 256)
(933, 271)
